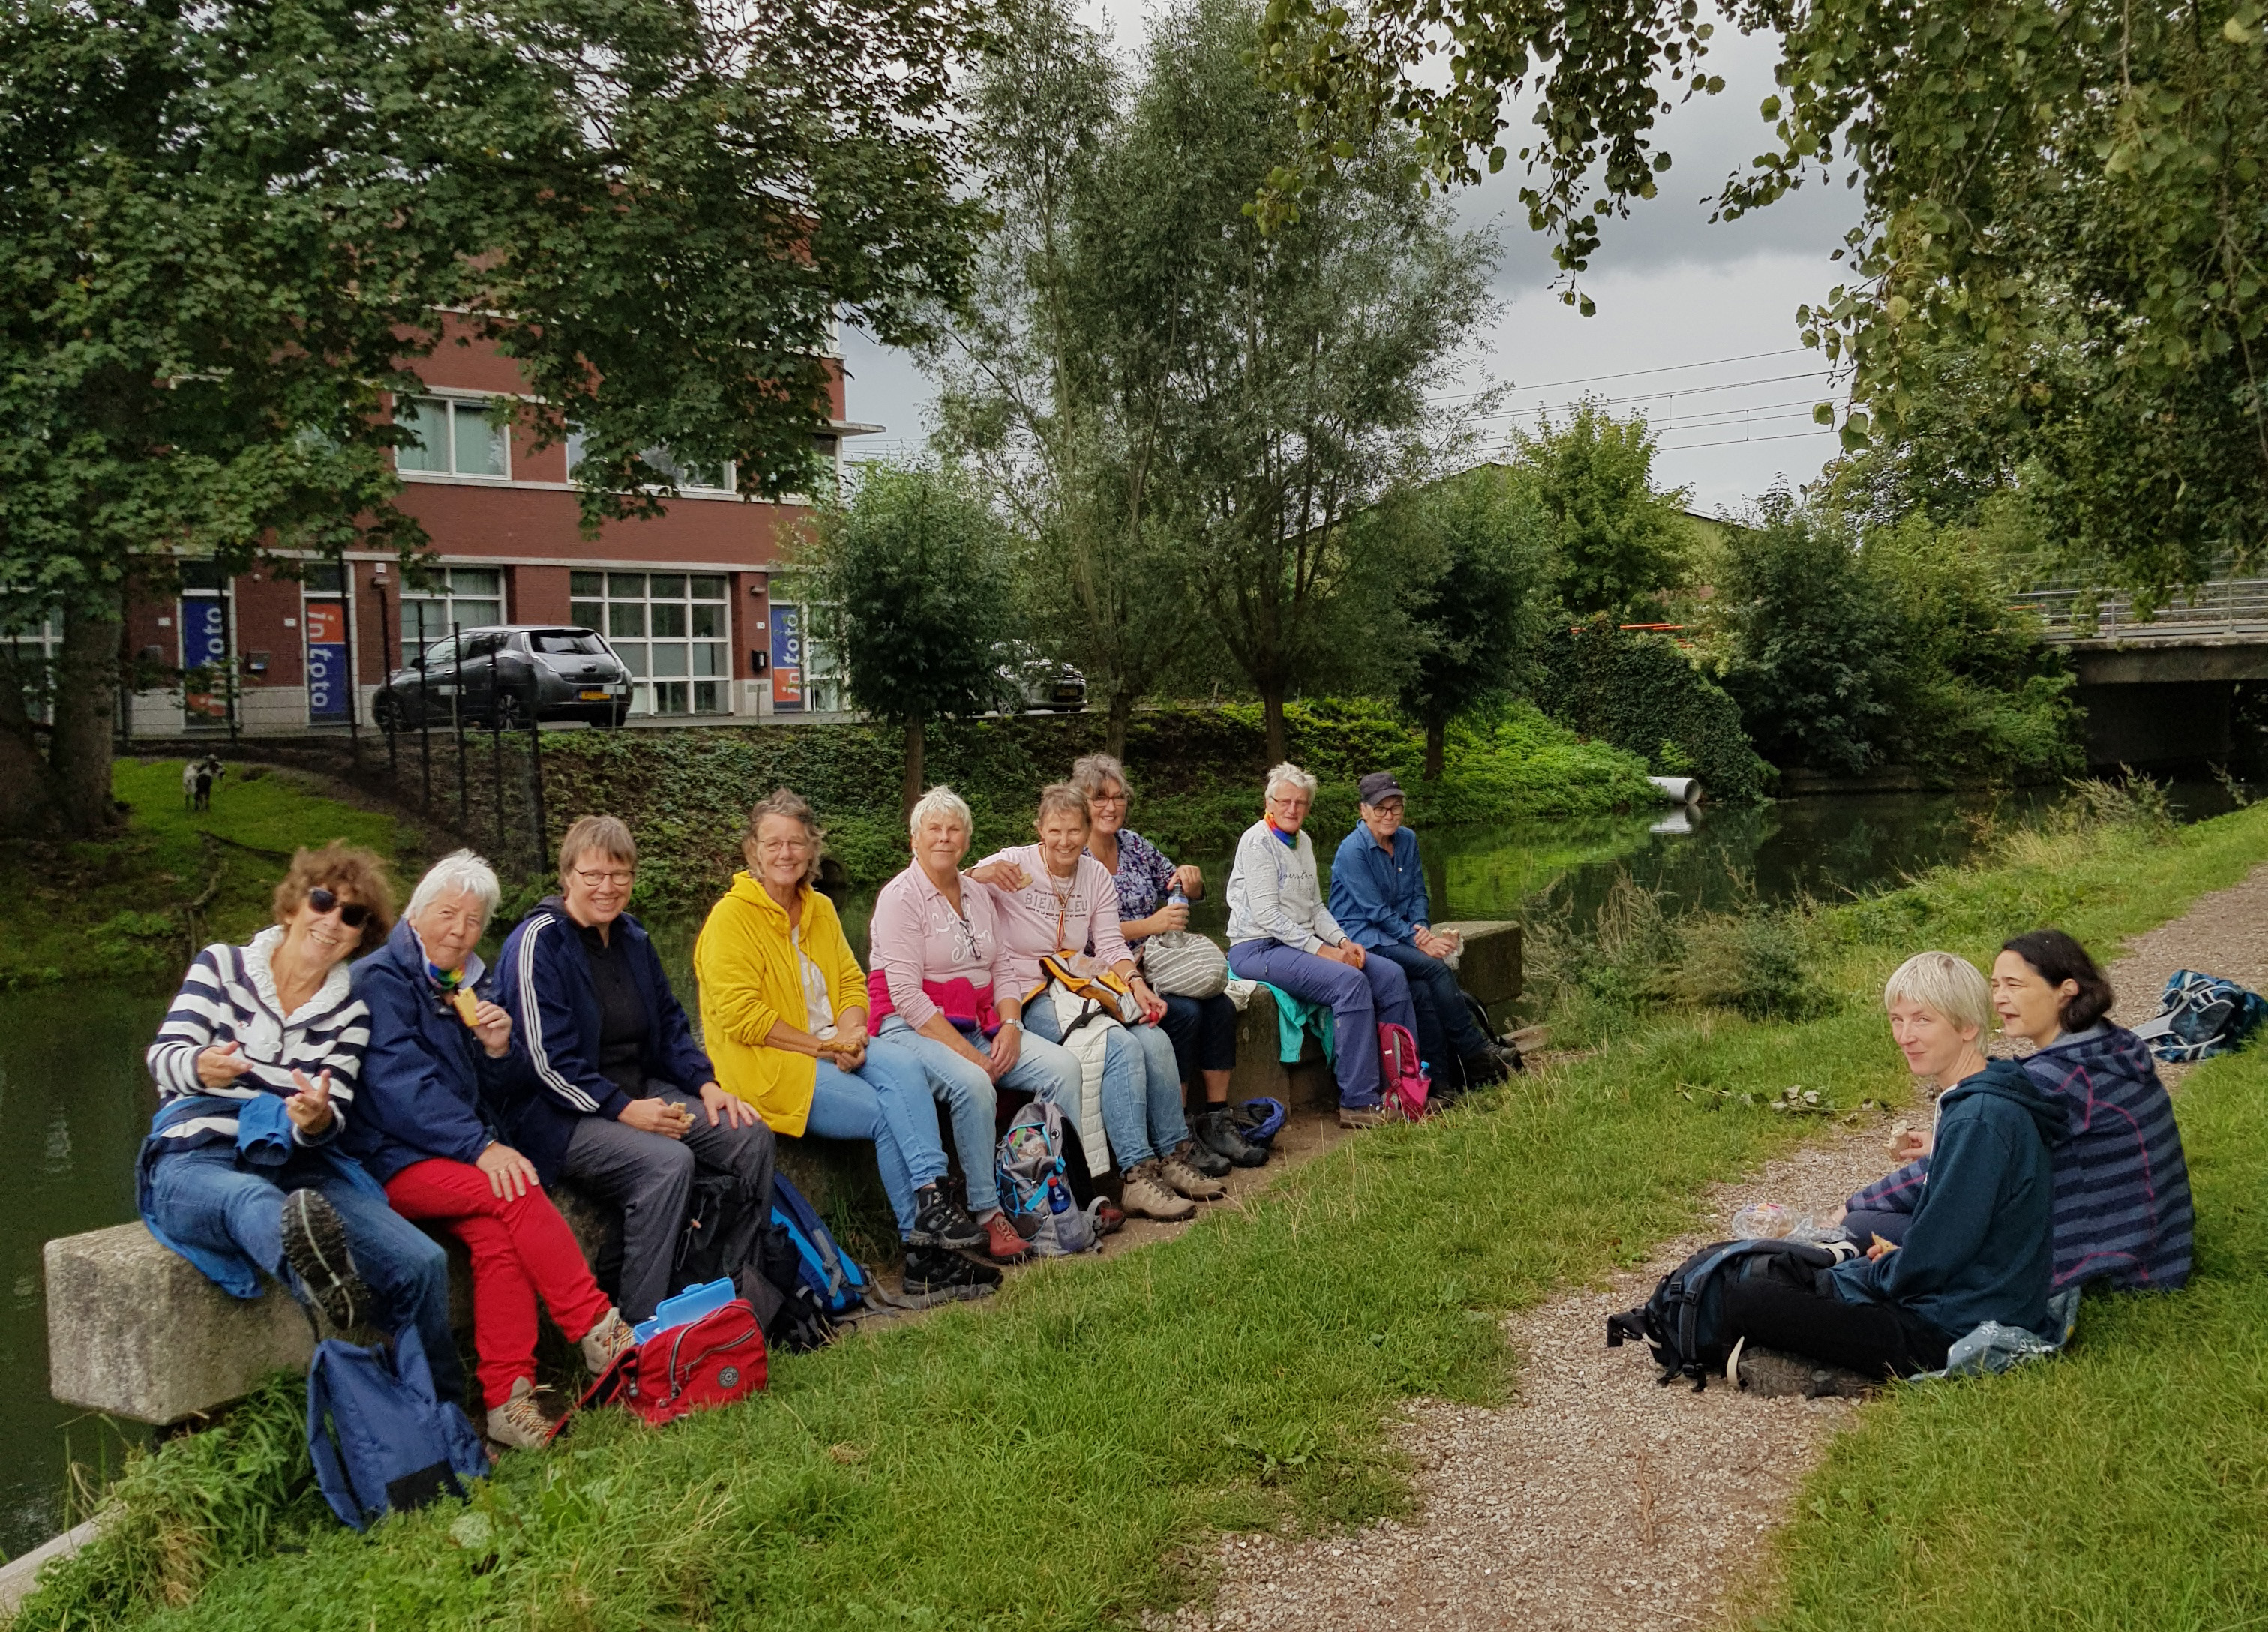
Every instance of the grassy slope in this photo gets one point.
(2124, 1486)
(117, 908)
(1047, 1461)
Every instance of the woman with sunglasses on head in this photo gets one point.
(256, 1065)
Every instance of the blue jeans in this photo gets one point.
(1042, 1068)
(205, 1197)
(885, 1101)
(1361, 999)
(1445, 1025)
(1141, 1086)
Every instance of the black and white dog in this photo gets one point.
(197, 779)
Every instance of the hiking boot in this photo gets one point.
(1109, 1217)
(1146, 1194)
(1003, 1243)
(940, 1221)
(605, 1343)
(1362, 1116)
(1207, 1161)
(1773, 1374)
(519, 1424)
(1189, 1180)
(315, 1245)
(1216, 1130)
(1480, 1069)
(934, 1276)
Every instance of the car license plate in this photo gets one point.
(1067, 694)
(595, 696)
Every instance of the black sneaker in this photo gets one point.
(1203, 1158)
(315, 1244)
(1216, 1131)
(934, 1276)
(941, 1222)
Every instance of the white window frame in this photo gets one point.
(44, 638)
(661, 460)
(481, 403)
(448, 599)
(645, 687)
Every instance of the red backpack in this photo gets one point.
(1406, 1084)
(711, 1361)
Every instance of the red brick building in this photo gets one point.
(683, 599)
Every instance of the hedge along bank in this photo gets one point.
(1238, 1376)
(1197, 775)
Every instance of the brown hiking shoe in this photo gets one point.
(1362, 1116)
(604, 1343)
(1145, 1193)
(519, 1424)
(1004, 1244)
(1190, 1181)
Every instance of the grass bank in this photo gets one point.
(135, 906)
(1196, 774)
(1057, 1458)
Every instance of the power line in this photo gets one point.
(1633, 373)
(1734, 441)
(1649, 396)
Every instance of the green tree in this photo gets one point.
(2072, 194)
(1300, 359)
(229, 231)
(1053, 392)
(908, 581)
(1484, 551)
(1618, 543)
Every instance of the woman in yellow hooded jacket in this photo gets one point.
(783, 1007)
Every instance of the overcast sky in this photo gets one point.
(1696, 323)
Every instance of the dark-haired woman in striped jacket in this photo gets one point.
(256, 1064)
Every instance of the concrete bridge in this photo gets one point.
(2160, 691)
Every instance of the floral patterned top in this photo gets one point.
(1145, 878)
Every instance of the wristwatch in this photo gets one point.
(1017, 1023)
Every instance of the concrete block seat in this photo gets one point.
(134, 1331)
(1490, 970)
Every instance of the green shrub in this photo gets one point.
(1641, 692)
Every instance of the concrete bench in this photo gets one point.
(1490, 970)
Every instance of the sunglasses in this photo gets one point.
(354, 915)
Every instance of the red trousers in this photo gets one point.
(522, 1250)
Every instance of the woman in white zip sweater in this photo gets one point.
(1279, 931)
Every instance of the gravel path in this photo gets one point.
(1595, 1500)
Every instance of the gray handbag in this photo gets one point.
(1183, 963)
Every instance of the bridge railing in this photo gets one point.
(2227, 606)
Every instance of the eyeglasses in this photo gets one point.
(1107, 798)
(354, 915)
(593, 880)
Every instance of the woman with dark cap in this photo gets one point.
(2123, 1211)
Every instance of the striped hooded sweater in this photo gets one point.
(230, 996)
(2123, 1211)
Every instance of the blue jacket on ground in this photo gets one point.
(1979, 1247)
(543, 977)
(1380, 899)
(429, 1088)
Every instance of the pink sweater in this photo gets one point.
(929, 959)
(1050, 915)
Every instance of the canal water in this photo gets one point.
(74, 1099)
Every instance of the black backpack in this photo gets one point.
(726, 1237)
(1682, 1322)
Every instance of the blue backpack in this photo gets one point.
(1682, 1322)
(379, 1437)
(830, 1273)
(2200, 1016)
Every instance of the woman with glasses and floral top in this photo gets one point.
(784, 1011)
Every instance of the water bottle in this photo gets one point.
(1179, 898)
(1058, 1198)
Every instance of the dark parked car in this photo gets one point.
(511, 675)
(1029, 679)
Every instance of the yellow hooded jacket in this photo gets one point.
(750, 977)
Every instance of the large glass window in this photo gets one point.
(468, 597)
(454, 438)
(685, 475)
(30, 642)
(670, 631)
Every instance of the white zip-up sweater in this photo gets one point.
(1273, 895)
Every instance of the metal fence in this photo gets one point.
(2225, 607)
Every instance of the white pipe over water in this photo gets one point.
(1678, 790)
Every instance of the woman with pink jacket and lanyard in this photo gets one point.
(945, 990)
(1052, 897)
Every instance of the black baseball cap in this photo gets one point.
(1378, 787)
